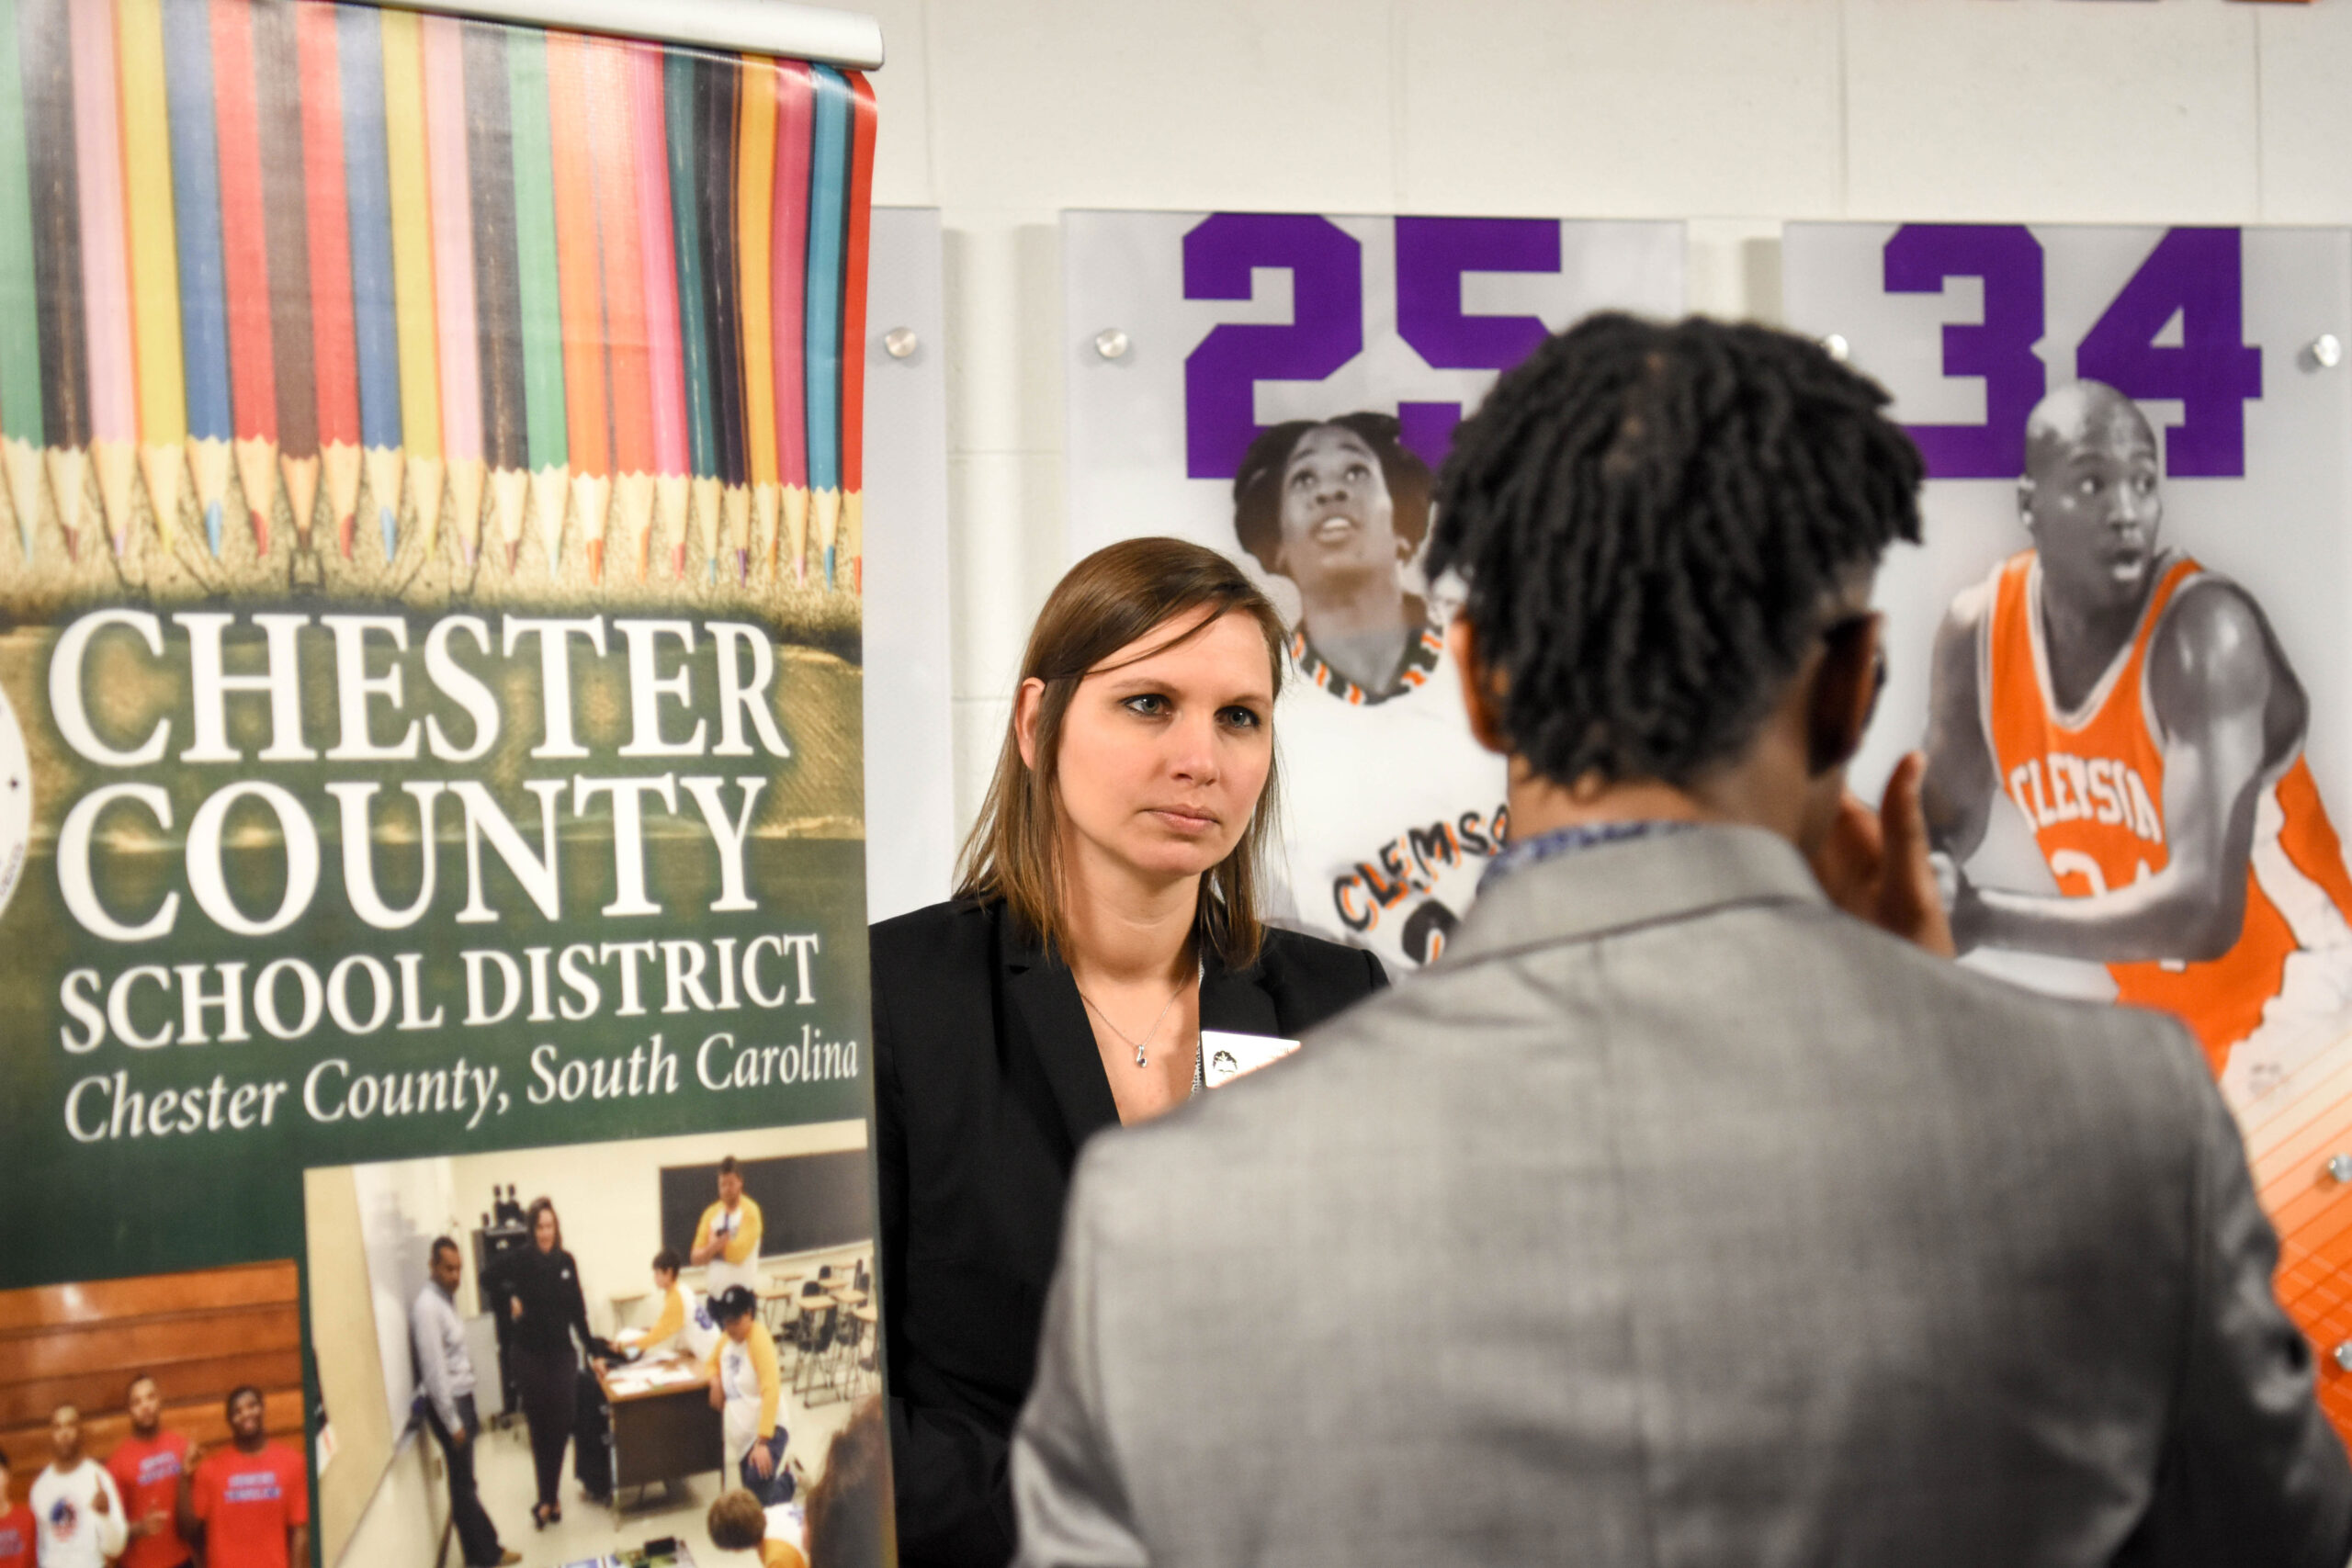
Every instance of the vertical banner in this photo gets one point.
(430, 763)
(2123, 644)
(1283, 387)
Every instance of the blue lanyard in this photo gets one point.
(1569, 840)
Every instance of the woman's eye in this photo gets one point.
(1358, 473)
(1150, 704)
(1241, 718)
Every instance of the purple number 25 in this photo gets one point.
(1326, 328)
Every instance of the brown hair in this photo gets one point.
(1118, 595)
(849, 1509)
(736, 1521)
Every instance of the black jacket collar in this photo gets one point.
(1055, 1021)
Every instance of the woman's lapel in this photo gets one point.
(1046, 1001)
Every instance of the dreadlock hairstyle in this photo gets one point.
(1648, 518)
(1257, 483)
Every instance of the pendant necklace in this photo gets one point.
(1122, 1035)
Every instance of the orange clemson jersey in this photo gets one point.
(2091, 784)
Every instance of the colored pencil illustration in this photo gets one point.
(105, 267)
(538, 290)
(580, 283)
(253, 368)
(679, 111)
(796, 110)
(21, 417)
(155, 261)
(204, 307)
(413, 283)
(44, 41)
(755, 215)
(333, 345)
(359, 36)
(453, 274)
(278, 114)
(862, 125)
(665, 373)
(828, 194)
(620, 234)
(345, 252)
(497, 287)
(718, 90)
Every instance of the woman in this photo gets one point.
(747, 1392)
(683, 1315)
(1109, 912)
(1396, 810)
(542, 1285)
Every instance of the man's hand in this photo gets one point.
(98, 1503)
(718, 1395)
(762, 1460)
(458, 1436)
(515, 1303)
(1874, 864)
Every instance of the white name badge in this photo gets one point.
(1226, 1056)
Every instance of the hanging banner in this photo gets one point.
(2123, 647)
(429, 691)
(1283, 387)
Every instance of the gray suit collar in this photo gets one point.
(1611, 887)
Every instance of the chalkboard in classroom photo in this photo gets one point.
(807, 1202)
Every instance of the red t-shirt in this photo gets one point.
(147, 1472)
(247, 1502)
(16, 1537)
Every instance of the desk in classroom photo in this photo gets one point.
(663, 1427)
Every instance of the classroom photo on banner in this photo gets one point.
(660, 1350)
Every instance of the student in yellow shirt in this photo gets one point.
(738, 1523)
(728, 1238)
(748, 1391)
(683, 1315)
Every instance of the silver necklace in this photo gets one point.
(1122, 1035)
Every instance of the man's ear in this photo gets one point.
(1480, 699)
(1027, 704)
(1845, 693)
(2025, 501)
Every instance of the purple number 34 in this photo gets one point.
(2195, 274)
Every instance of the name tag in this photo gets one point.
(1226, 1056)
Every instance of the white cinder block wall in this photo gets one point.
(1735, 114)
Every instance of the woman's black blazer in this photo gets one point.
(987, 1081)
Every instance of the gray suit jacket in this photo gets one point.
(1676, 1218)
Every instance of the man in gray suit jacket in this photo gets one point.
(1677, 1216)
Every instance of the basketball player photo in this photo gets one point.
(2122, 644)
(2136, 709)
